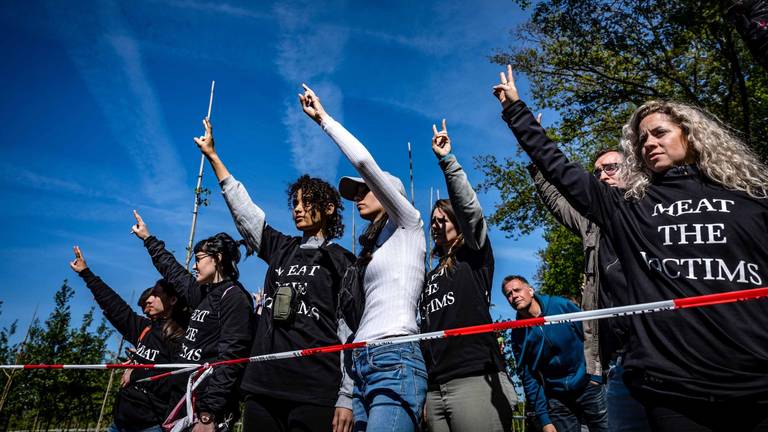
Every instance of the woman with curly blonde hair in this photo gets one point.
(692, 221)
(717, 153)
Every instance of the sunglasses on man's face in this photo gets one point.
(609, 168)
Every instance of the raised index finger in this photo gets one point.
(503, 77)
(445, 130)
(139, 220)
(78, 254)
(434, 129)
(308, 90)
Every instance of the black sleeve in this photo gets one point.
(272, 243)
(183, 281)
(749, 18)
(234, 342)
(589, 196)
(118, 312)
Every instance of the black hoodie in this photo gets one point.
(138, 405)
(220, 329)
(687, 236)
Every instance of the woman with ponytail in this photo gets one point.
(156, 338)
(220, 327)
(301, 293)
(390, 380)
(469, 388)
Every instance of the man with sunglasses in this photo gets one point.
(603, 340)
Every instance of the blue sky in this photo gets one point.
(101, 101)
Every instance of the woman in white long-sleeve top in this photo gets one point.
(469, 388)
(390, 380)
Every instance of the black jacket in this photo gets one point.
(138, 405)
(687, 236)
(220, 329)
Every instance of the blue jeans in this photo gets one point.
(390, 387)
(115, 428)
(625, 413)
(585, 407)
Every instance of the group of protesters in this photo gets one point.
(678, 209)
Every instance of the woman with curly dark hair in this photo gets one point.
(300, 302)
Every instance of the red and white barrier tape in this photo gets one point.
(104, 366)
(642, 308)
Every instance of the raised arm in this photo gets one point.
(167, 265)
(588, 196)
(397, 206)
(557, 204)
(463, 198)
(248, 217)
(116, 310)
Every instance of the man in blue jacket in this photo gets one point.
(550, 362)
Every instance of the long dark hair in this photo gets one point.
(368, 239)
(178, 316)
(447, 256)
(222, 244)
(318, 194)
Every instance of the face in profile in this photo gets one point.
(368, 205)
(663, 141)
(157, 303)
(306, 217)
(607, 168)
(443, 230)
(205, 267)
(518, 293)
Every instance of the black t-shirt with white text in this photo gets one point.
(146, 404)
(315, 277)
(457, 298)
(220, 328)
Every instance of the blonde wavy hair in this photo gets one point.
(717, 152)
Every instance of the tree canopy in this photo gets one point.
(593, 63)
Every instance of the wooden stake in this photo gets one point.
(111, 378)
(7, 388)
(410, 165)
(198, 191)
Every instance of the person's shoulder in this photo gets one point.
(340, 256)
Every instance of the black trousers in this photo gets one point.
(675, 415)
(266, 414)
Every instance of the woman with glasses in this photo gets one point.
(220, 327)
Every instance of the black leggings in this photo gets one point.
(266, 414)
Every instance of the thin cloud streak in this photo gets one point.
(108, 58)
(310, 54)
(222, 8)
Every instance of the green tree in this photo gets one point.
(59, 398)
(594, 62)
